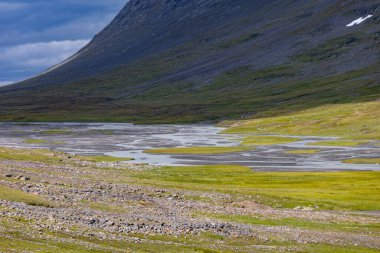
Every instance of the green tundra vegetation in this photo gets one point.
(337, 191)
(257, 140)
(356, 123)
(327, 190)
(35, 141)
(303, 151)
(213, 77)
(292, 222)
(10, 194)
(18, 241)
(364, 160)
(56, 131)
(105, 159)
(35, 155)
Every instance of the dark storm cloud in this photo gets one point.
(37, 34)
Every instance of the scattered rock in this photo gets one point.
(118, 210)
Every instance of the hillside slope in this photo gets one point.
(187, 61)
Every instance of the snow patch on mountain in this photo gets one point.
(359, 20)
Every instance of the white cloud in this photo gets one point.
(40, 55)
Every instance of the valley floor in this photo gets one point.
(53, 202)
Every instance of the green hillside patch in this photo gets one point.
(363, 161)
(34, 155)
(106, 159)
(340, 143)
(268, 140)
(35, 245)
(56, 131)
(270, 92)
(35, 141)
(243, 39)
(327, 190)
(245, 75)
(295, 222)
(357, 122)
(200, 150)
(303, 151)
(10, 194)
(330, 49)
(325, 248)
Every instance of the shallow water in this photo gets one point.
(130, 141)
(114, 139)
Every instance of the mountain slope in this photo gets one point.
(185, 61)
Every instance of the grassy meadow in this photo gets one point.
(355, 123)
(324, 190)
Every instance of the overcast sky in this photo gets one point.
(36, 34)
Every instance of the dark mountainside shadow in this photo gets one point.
(176, 62)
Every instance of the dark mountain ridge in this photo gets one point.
(182, 61)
